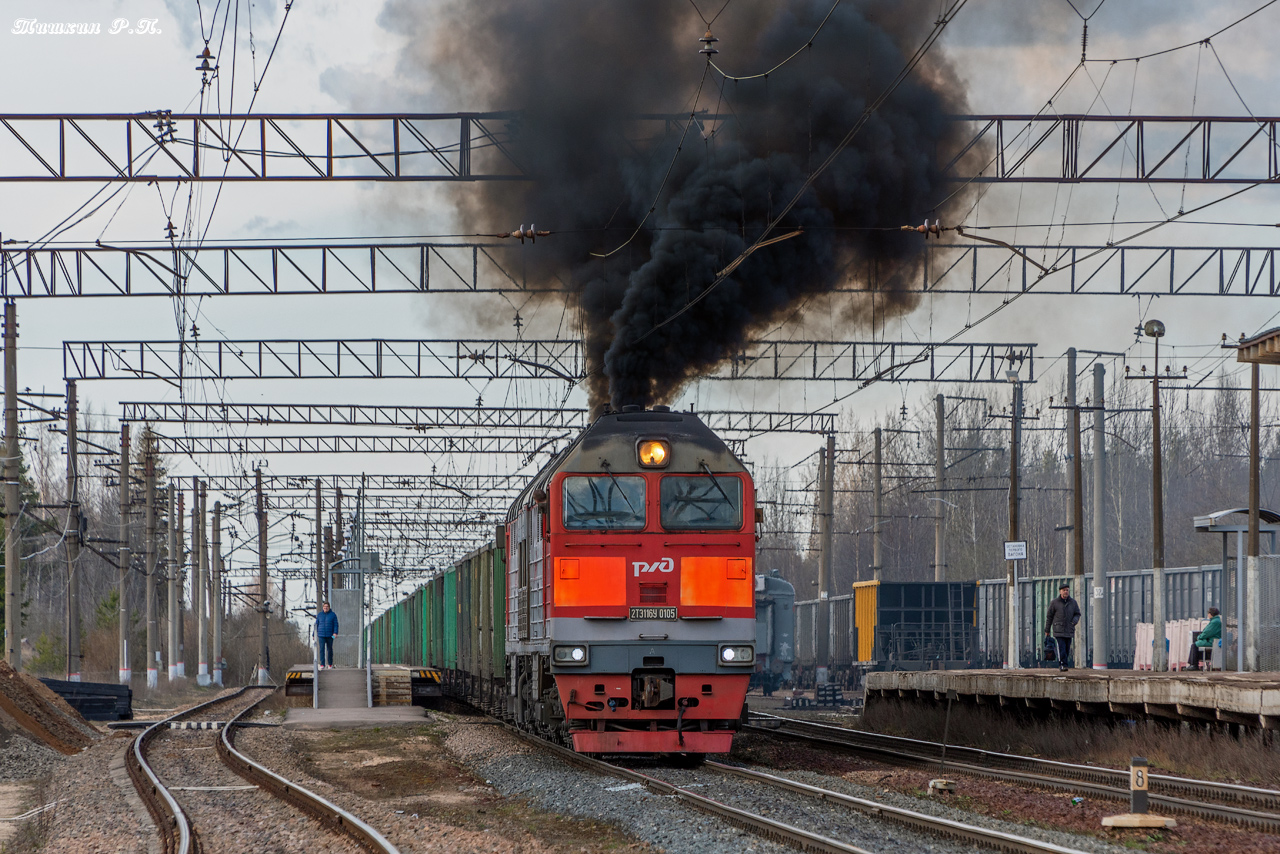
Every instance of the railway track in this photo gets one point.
(184, 792)
(1244, 805)
(796, 837)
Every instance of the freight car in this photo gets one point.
(614, 611)
(890, 626)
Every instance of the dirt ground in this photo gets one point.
(1047, 809)
(408, 769)
(26, 704)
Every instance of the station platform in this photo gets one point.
(1243, 699)
(340, 687)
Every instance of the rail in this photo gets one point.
(328, 813)
(1045, 773)
(170, 820)
(794, 836)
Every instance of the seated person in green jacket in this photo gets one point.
(1205, 639)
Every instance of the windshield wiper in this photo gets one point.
(723, 494)
(618, 486)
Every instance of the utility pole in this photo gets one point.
(175, 579)
(320, 585)
(329, 556)
(180, 580)
(1252, 595)
(149, 531)
(1077, 507)
(264, 662)
(75, 659)
(1012, 658)
(826, 472)
(877, 509)
(125, 557)
(12, 493)
(215, 599)
(940, 504)
(1100, 651)
(200, 558)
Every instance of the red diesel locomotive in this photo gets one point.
(630, 620)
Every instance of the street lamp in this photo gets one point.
(1159, 654)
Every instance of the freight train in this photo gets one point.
(614, 611)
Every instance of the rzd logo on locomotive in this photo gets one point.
(664, 565)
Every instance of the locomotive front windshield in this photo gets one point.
(701, 502)
(608, 503)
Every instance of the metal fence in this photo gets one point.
(1189, 592)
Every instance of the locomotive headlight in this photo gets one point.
(570, 655)
(737, 655)
(654, 453)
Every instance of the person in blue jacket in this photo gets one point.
(326, 631)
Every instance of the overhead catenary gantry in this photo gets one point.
(486, 268)
(425, 418)
(563, 359)
(162, 146)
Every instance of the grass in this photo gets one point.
(1190, 750)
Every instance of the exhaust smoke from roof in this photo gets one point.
(583, 74)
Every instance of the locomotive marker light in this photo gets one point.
(654, 453)
(737, 655)
(571, 655)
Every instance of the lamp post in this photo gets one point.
(1159, 655)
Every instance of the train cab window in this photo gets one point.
(603, 503)
(701, 502)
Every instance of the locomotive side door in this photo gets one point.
(522, 577)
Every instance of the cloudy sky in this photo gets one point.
(1012, 56)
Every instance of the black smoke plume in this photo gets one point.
(583, 73)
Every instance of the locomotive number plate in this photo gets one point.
(653, 613)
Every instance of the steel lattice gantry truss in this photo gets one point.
(424, 418)
(771, 360)
(1125, 149)
(437, 502)
(259, 446)
(483, 268)
(463, 484)
(262, 269)
(164, 146)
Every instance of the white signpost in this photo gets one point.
(1014, 551)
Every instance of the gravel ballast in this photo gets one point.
(517, 769)
(24, 759)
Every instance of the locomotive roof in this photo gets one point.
(612, 438)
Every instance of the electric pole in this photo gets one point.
(12, 493)
(940, 504)
(877, 509)
(264, 664)
(75, 659)
(149, 546)
(198, 589)
(175, 577)
(1101, 653)
(125, 557)
(1252, 594)
(1077, 506)
(320, 586)
(1012, 657)
(180, 578)
(826, 472)
(215, 598)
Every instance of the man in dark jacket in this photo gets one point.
(1061, 621)
(326, 628)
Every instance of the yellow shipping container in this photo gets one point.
(865, 595)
